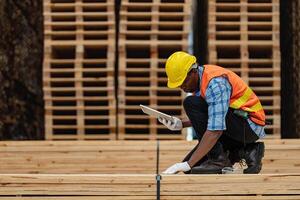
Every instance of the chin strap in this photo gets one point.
(198, 84)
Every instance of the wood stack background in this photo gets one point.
(79, 69)
(80, 73)
(150, 31)
(243, 35)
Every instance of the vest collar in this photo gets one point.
(200, 73)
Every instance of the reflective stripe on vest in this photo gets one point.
(242, 100)
(238, 103)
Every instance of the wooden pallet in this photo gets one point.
(244, 37)
(79, 86)
(149, 32)
(143, 82)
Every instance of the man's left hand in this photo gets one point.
(178, 167)
(176, 125)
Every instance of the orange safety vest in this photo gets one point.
(242, 97)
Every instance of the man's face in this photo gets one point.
(190, 83)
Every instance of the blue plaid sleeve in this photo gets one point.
(217, 97)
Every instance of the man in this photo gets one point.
(225, 113)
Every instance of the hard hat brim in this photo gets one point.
(175, 85)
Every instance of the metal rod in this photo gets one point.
(158, 177)
(157, 157)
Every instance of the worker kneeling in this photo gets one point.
(225, 113)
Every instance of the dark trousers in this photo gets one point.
(238, 133)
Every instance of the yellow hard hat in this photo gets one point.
(177, 68)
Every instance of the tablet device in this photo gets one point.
(155, 113)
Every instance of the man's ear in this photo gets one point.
(195, 70)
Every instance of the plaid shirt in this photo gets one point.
(218, 97)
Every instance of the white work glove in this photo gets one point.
(175, 126)
(178, 167)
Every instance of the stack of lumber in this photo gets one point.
(244, 37)
(126, 157)
(78, 78)
(122, 157)
(126, 170)
(105, 186)
(150, 31)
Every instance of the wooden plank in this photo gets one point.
(173, 186)
(281, 156)
(185, 197)
(269, 184)
(85, 198)
(115, 145)
(93, 184)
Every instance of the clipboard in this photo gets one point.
(155, 113)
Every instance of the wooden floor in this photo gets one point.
(126, 170)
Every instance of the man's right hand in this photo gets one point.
(175, 126)
(178, 167)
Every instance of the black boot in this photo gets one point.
(253, 156)
(217, 160)
(252, 153)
